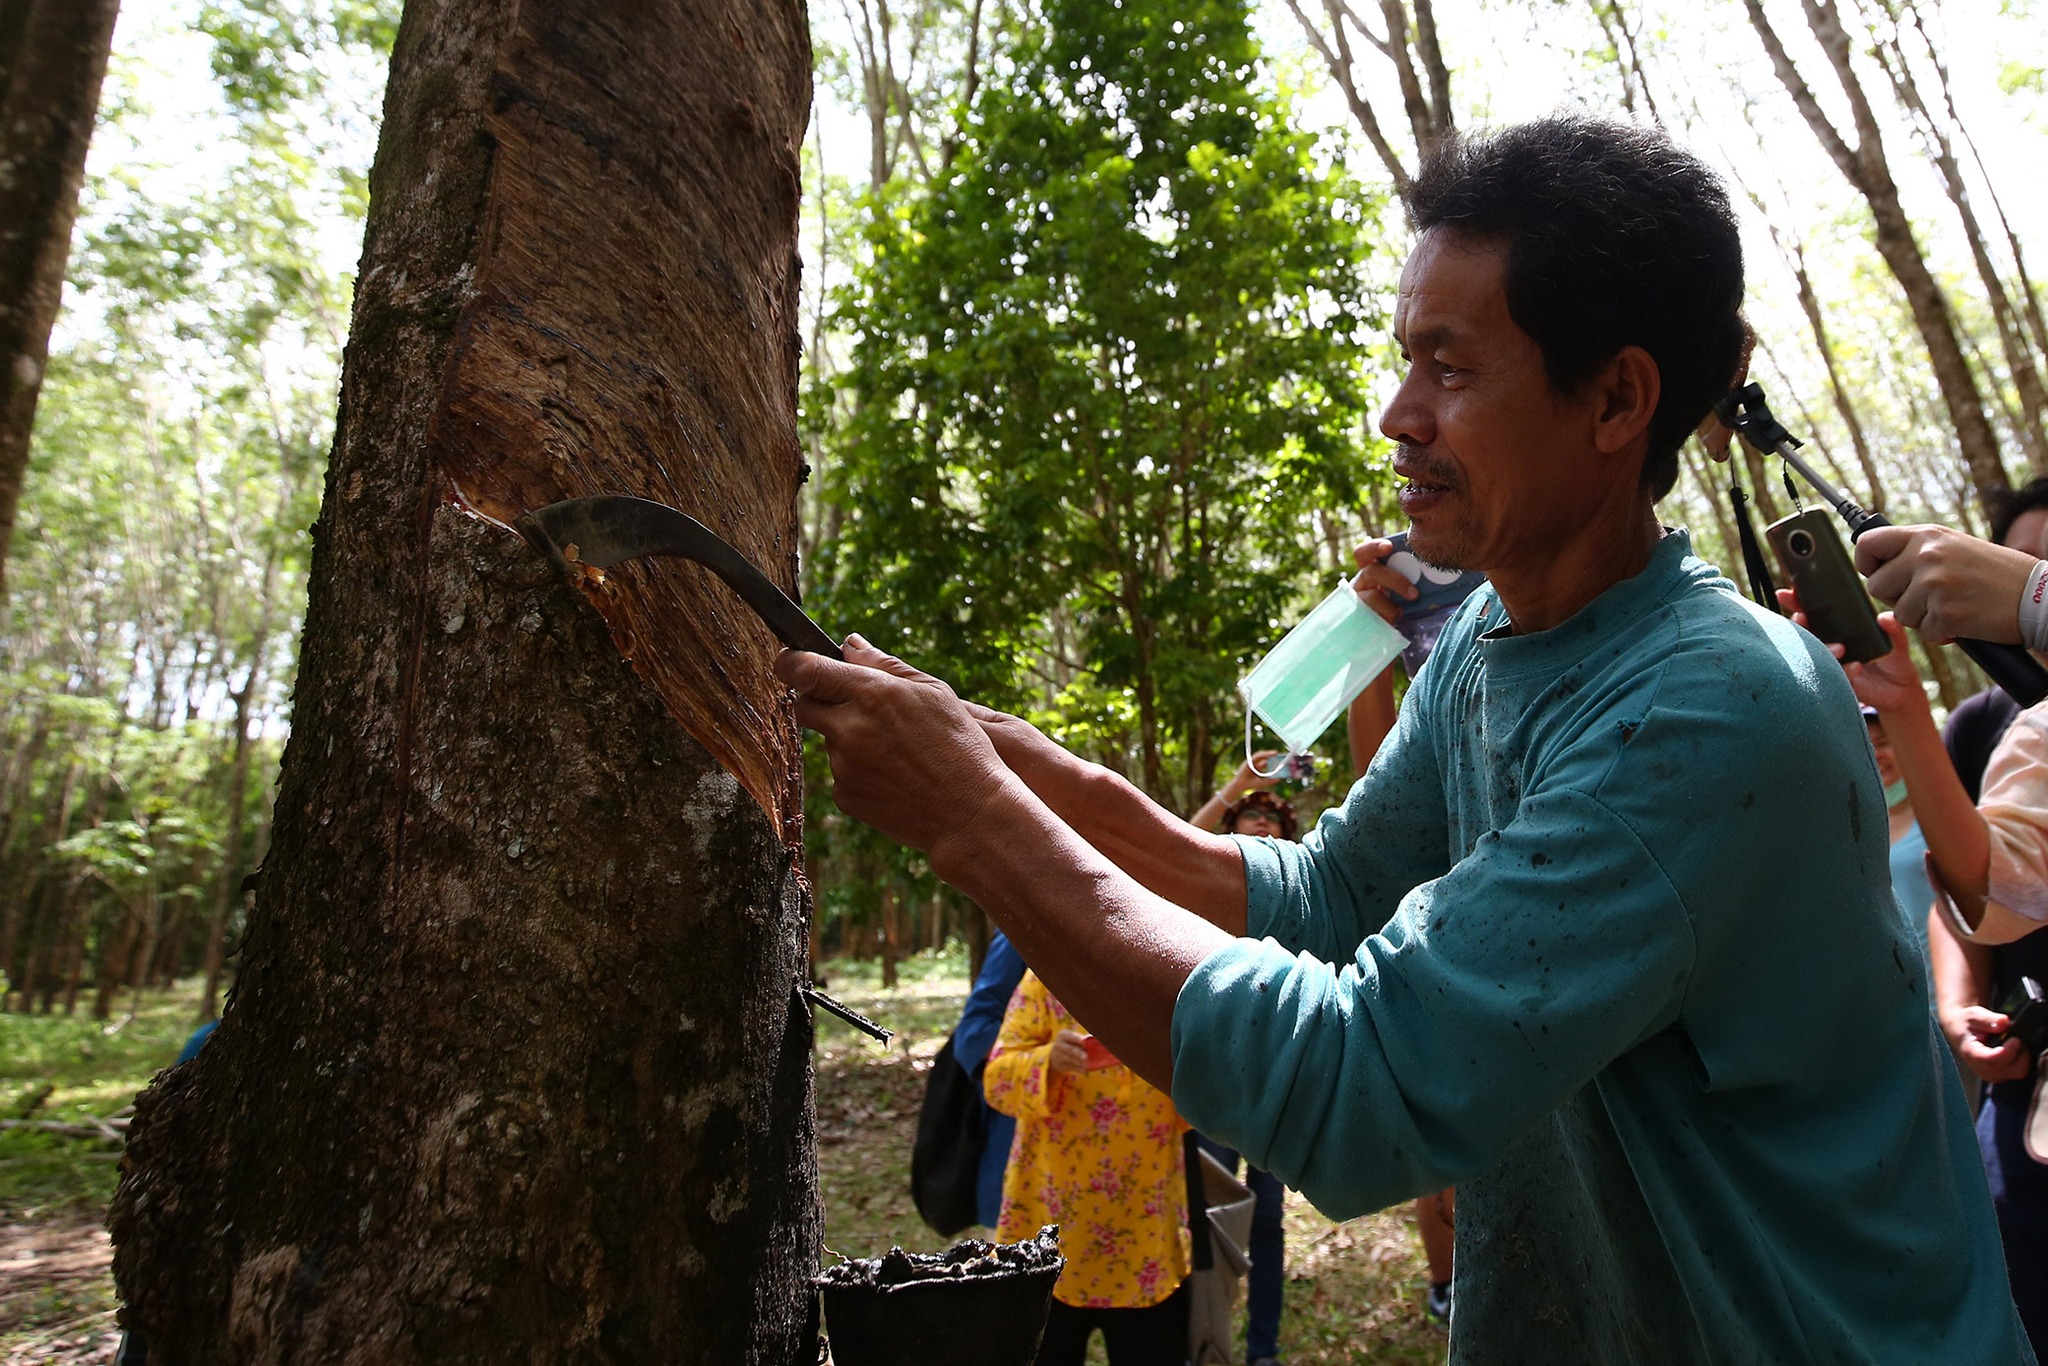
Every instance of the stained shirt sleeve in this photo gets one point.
(1412, 1061)
(1342, 881)
(2014, 805)
(1019, 1080)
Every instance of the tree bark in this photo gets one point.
(1875, 496)
(514, 1068)
(2022, 362)
(1409, 42)
(53, 57)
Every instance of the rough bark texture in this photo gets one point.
(53, 57)
(514, 1069)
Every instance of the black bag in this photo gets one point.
(952, 1129)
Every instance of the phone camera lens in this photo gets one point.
(1800, 543)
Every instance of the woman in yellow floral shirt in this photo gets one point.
(1097, 1152)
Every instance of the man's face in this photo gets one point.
(1499, 466)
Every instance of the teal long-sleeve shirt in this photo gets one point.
(1606, 938)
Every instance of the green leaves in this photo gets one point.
(1106, 371)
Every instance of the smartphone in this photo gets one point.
(1837, 608)
(2027, 1008)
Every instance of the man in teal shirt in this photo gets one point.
(1605, 936)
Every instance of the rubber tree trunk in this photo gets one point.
(53, 57)
(514, 1069)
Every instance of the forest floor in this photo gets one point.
(1354, 1291)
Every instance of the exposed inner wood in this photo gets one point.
(577, 368)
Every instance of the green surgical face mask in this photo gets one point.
(1317, 668)
(1894, 793)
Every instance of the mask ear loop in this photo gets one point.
(1279, 767)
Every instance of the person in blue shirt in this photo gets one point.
(1605, 936)
(980, 1021)
(1908, 860)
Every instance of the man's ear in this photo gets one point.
(1628, 387)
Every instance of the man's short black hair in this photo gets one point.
(1616, 236)
(2008, 508)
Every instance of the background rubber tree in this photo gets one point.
(53, 57)
(515, 1068)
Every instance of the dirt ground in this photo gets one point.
(1353, 1295)
(56, 1291)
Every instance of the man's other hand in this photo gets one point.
(1943, 583)
(1376, 585)
(906, 756)
(1026, 749)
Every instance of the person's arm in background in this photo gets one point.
(1370, 721)
(1958, 843)
(1209, 815)
(1373, 712)
(1962, 985)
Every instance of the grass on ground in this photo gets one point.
(1354, 1289)
(56, 1297)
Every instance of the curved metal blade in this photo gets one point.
(612, 528)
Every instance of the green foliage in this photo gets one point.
(72, 1067)
(270, 55)
(1105, 371)
(160, 561)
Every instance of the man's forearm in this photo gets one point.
(1114, 952)
(1194, 869)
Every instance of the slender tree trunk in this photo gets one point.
(1874, 496)
(117, 952)
(1865, 167)
(515, 1068)
(892, 933)
(2022, 362)
(1411, 46)
(53, 57)
(227, 888)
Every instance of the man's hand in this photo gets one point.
(1023, 747)
(1945, 584)
(1978, 1037)
(1376, 585)
(906, 756)
(1069, 1052)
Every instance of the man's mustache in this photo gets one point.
(1415, 462)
